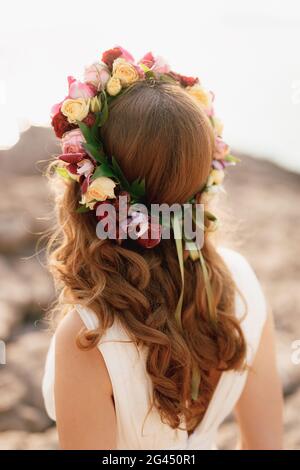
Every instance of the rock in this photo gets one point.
(12, 390)
(37, 280)
(10, 317)
(25, 212)
(289, 372)
(291, 415)
(47, 440)
(21, 405)
(13, 440)
(21, 440)
(33, 346)
(25, 284)
(12, 286)
(24, 418)
(34, 147)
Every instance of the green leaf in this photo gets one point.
(82, 209)
(104, 170)
(63, 172)
(91, 134)
(120, 175)
(95, 134)
(86, 131)
(137, 188)
(232, 159)
(145, 68)
(96, 152)
(148, 72)
(211, 216)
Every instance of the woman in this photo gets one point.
(161, 337)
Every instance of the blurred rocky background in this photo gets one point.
(261, 197)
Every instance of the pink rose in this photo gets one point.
(147, 60)
(221, 149)
(72, 141)
(126, 55)
(78, 89)
(56, 108)
(160, 65)
(97, 75)
(156, 64)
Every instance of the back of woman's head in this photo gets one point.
(158, 132)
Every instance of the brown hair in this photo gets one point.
(158, 132)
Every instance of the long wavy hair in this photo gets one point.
(158, 132)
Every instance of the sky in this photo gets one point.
(246, 52)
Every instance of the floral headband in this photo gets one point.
(76, 121)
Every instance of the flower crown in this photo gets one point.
(76, 121)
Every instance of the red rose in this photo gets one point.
(183, 80)
(90, 120)
(153, 236)
(72, 168)
(72, 157)
(61, 124)
(187, 81)
(85, 184)
(109, 56)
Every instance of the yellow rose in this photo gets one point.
(125, 72)
(201, 95)
(100, 189)
(113, 86)
(215, 177)
(95, 104)
(75, 109)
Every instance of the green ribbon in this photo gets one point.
(195, 253)
(177, 229)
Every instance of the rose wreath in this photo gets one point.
(76, 121)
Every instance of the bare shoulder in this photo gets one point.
(89, 364)
(84, 405)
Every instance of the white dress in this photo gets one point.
(132, 387)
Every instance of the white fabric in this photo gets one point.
(132, 386)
